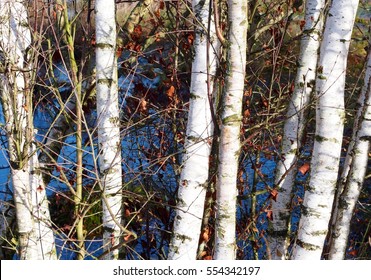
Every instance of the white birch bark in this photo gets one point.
(199, 136)
(294, 127)
(319, 196)
(357, 170)
(41, 214)
(15, 38)
(229, 147)
(108, 124)
(348, 160)
(27, 239)
(36, 238)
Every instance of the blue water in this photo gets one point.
(140, 171)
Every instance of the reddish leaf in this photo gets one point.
(353, 253)
(162, 5)
(206, 234)
(240, 176)
(208, 258)
(138, 48)
(137, 32)
(273, 194)
(304, 168)
(127, 212)
(190, 39)
(170, 92)
(248, 92)
(127, 237)
(119, 51)
(143, 105)
(302, 23)
(269, 214)
(157, 13)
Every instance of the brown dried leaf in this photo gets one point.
(162, 5)
(302, 23)
(273, 194)
(353, 253)
(190, 38)
(170, 92)
(269, 214)
(127, 212)
(304, 168)
(127, 237)
(206, 234)
(143, 105)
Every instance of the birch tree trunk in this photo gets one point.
(294, 127)
(40, 204)
(36, 239)
(319, 196)
(350, 193)
(199, 136)
(229, 147)
(108, 124)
